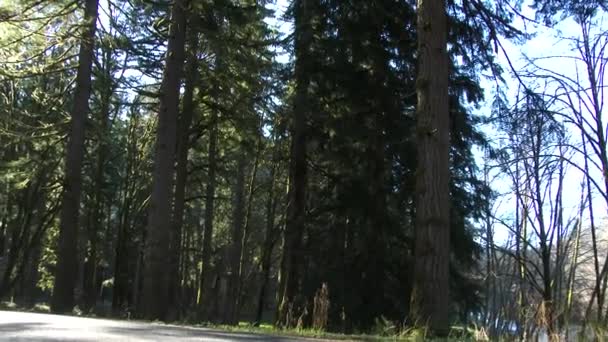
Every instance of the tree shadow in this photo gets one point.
(162, 333)
(6, 328)
(18, 332)
(120, 331)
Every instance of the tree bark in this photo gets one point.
(296, 209)
(90, 272)
(67, 265)
(30, 208)
(155, 292)
(238, 225)
(269, 242)
(183, 146)
(247, 224)
(28, 289)
(203, 298)
(123, 236)
(430, 294)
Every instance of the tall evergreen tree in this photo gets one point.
(155, 291)
(430, 294)
(291, 263)
(67, 263)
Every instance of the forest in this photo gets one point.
(351, 166)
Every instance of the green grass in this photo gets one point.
(268, 329)
(11, 306)
(412, 334)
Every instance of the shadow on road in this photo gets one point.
(173, 332)
(6, 328)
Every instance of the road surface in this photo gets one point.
(25, 326)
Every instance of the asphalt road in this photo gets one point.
(23, 326)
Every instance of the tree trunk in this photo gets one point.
(268, 245)
(67, 265)
(238, 224)
(90, 276)
(6, 214)
(120, 296)
(27, 270)
(28, 290)
(430, 294)
(296, 209)
(203, 298)
(30, 207)
(247, 224)
(491, 314)
(155, 292)
(574, 263)
(183, 146)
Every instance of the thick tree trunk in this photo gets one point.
(67, 265)
(296, 209)
(430, 294)
(181, 170)
(155, 292)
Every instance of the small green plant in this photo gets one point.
(478, 333)
(8, 305)
(415, 333)
(384, 327)
(42, 308)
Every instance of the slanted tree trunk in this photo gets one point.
(574, 263)
(29, 279)
(430, 294)
(67, 264)
(247, 224)
(42, 217)
(30, 207)
(155, 292)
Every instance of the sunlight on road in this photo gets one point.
(20, 326)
